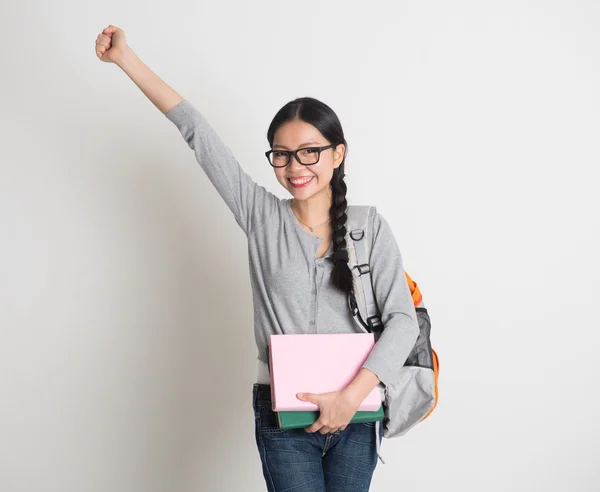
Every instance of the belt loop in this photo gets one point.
(254, 395)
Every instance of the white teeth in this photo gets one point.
(300, 181)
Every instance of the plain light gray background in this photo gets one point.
(127, 354)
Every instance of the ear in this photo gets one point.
(340, 151)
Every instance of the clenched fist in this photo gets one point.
(110, 44)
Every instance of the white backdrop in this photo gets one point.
(127, 351)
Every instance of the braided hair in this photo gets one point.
(321, 116)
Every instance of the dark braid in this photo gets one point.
(341, 276)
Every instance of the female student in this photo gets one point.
(299, 274)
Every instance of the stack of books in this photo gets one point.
(317, 363)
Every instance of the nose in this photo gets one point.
(294, 164)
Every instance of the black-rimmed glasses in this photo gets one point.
(306, 156)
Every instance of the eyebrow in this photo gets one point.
(301, 145)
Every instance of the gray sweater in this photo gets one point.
(291, 290)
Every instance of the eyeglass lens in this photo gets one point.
(305, 156)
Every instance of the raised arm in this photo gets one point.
(249, 202)
(112, 47)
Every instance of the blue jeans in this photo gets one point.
(300, 461)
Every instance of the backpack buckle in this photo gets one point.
(362, 269)
(374, 322)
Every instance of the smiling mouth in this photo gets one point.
(301, 181)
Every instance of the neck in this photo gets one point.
(315, 209)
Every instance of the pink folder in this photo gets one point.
(317, 363)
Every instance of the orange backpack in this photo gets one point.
(424, 324)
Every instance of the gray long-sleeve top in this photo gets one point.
(291, 289)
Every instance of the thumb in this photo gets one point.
(110, 30)
(311, 397)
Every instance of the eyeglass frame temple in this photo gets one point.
(295, 152)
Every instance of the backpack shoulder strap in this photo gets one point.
(358, 244)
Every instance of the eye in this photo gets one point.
(310, 151)
(279, 154)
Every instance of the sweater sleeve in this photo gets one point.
(250, 203)
(393, 297)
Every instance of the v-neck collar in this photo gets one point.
(317, 240)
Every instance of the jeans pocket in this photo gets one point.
(267, 420)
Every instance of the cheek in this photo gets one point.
(325, 174)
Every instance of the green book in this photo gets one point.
(298, 420)
(302, 419)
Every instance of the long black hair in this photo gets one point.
(321, 116)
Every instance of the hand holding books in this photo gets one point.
(336, 410)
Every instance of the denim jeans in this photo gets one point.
(301, 461)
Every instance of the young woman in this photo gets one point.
(299, 274)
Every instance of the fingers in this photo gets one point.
(103, 40)
(102, 44)
(324, 429)
(320, 426)
(314, 427)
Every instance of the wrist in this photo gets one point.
(352, 395)
(361, 385)
(124, 57)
